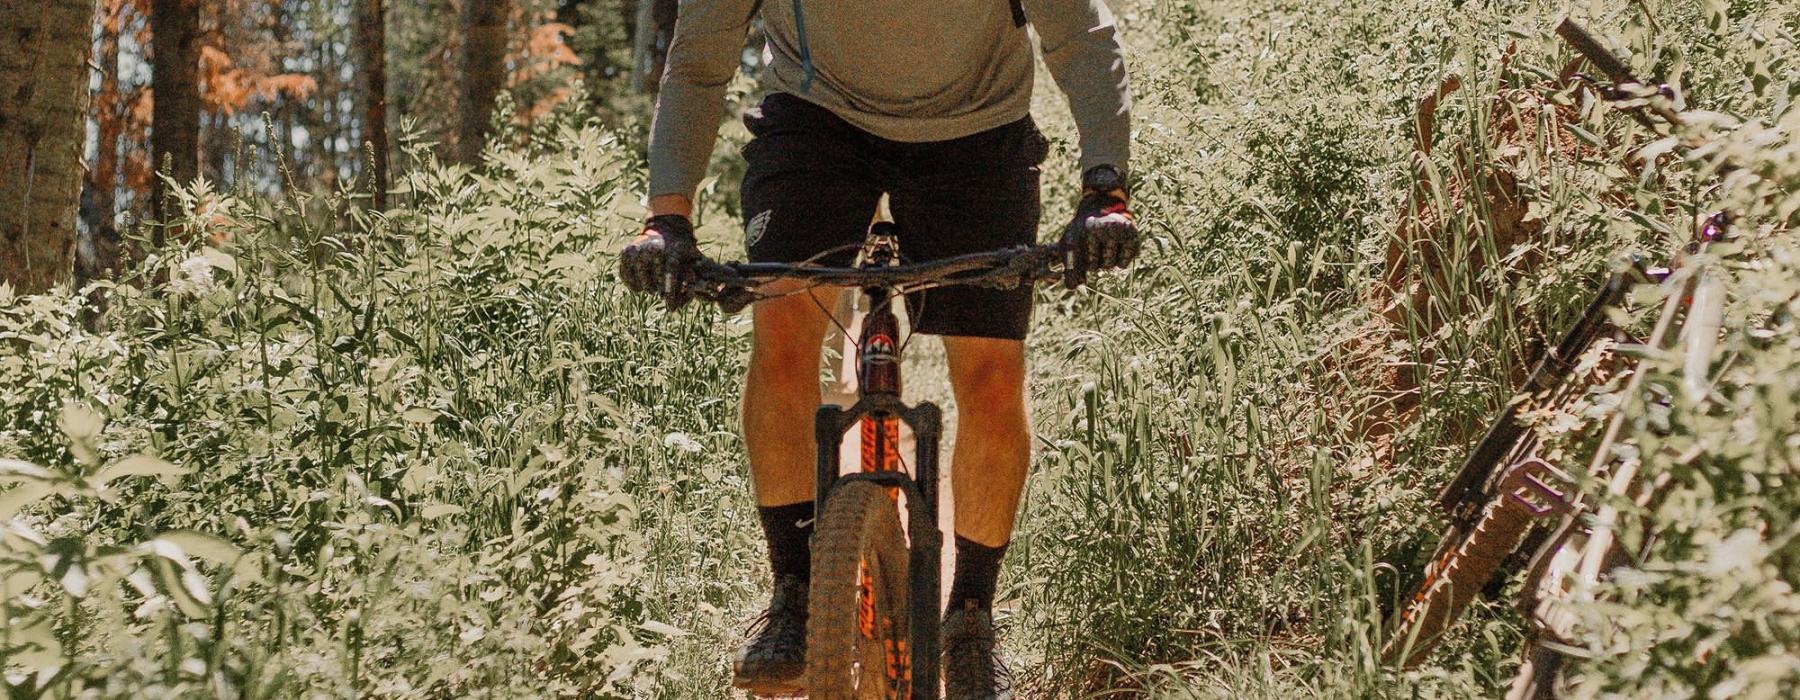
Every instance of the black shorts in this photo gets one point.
(814, 180)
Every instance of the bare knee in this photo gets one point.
(988, 374)
(785, 340)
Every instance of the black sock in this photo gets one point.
(977, 572)
(789, 530)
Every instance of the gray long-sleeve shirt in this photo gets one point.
(904, 70)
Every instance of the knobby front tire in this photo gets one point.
(1468, 557)
(858, 615)
(1456, 575)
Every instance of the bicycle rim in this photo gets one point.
(858, 615)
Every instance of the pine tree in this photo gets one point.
(175, 82)
(371, 38)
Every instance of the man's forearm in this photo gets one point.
(703, 57)
(1081, 49)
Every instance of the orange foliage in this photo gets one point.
(136, 166)
(226, 87)
(121, 109)
(546, 45)
(544, 52)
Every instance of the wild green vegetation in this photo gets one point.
(440, 452)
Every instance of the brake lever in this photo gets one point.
(714, 282)
(1612, 95)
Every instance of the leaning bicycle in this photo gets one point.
(872, 624)
(1511, 497)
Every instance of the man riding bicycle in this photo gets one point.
(929, 103)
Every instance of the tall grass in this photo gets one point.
(431, 453)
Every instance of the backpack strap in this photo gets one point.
(808, 70)
(1018, 12)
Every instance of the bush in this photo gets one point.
(413, 450)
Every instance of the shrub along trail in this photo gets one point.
(441, 453)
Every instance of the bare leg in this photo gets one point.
(993, 437)
(781, 393)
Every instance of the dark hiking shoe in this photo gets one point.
(972, 667)
(772, 661)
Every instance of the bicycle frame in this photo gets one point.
(1696, 304)
(878, 412)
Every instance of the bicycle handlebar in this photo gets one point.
(732, 285)
(1585, 44)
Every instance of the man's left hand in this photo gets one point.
(1103, 235)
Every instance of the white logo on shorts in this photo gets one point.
(753, 231)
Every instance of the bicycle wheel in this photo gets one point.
(858, 615)
(1457, 573)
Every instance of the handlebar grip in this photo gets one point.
(1585, 44)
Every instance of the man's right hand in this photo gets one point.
(661, 260)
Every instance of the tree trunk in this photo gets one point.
(569, 12)
(283, 150)
(44, 48)
(371, 38)
(175, 87)
(484, 70)
(219, 142)
(324, 128)
(99, 255)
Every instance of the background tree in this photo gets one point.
(43, 96)
(543, 68)
(99, 251)
(306, 66)
(372, 40)
(175, 80)
(484, 70)
(246, 50)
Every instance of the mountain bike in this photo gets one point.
(1509, 498)
(872, 625)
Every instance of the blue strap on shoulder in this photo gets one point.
(806, 64)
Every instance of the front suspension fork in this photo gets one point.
(925, 546)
